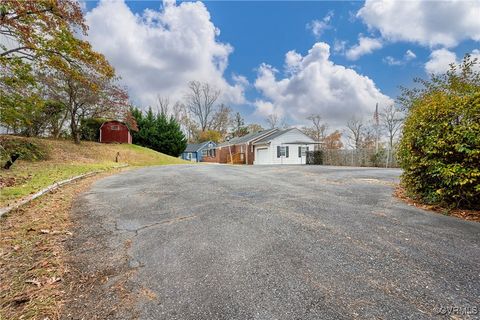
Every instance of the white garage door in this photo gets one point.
(262, 156)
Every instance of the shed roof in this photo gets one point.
(247, 138)
(116, 121)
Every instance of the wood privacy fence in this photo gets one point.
(354, 158)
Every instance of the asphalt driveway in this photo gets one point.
(270, 242)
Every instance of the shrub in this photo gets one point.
(90, 128)
(27, 150)
(440, 150)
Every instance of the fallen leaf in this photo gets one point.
(54, 279)
(34, 281)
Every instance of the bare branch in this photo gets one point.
(200, 101)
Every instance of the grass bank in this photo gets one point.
(64, 160)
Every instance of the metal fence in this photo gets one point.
(353, 158)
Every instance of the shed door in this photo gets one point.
(262, 156)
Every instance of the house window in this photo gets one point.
(204, 152)
(211, 153)
(282, 151)
(189, 156)
(302, 151)
(115, 127)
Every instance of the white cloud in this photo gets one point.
(319, 26)
(365, 45)
(159, 52)
(339, 46)
(316, 85)
(441, 59)
(429, 23)
(265, 108)
(409, 55)
(391, 61)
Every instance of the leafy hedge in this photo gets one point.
(90, 128)
(440, 149)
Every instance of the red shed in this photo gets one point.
(115, 131)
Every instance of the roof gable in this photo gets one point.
(195, 147)
(279, 133)
(248, 137)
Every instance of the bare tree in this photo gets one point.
(200, 102)
(163, 105)
(318, 130)
(254, 127)
(273, 120)
(391, 119)
(369, 137)
(238, 125)
(221, 120)
(178, 110)
(284, 123)
(355, 129)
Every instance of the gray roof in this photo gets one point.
(269, 138)
(195, 147)
(273, 136)
(246, 138)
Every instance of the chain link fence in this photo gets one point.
(353, 158)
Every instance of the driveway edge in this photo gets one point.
(50, 188)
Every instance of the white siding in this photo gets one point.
(283, 141)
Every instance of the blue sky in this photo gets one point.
(253, 34)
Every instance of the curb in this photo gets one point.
(50, 188)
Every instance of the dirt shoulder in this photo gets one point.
(470, 215)
(38, 274)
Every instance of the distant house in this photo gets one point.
(198, 152)
(283, 147)
(115, 132)
(240, 150)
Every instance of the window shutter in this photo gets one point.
(307, 149)
(287, 151)
(299, 152)
(278, 151)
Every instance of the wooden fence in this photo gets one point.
(354, 158)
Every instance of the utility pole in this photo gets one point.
(377, 126)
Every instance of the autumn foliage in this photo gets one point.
(440, 148)
(46, 62)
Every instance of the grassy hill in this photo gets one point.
(55, 160)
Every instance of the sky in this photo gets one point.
(292, 58)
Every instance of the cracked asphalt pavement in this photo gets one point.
(274, 242)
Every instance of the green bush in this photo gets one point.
(440, 150)
(90, 128)
(27, 150)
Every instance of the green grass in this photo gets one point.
(66, 160)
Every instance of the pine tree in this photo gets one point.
(157, 132)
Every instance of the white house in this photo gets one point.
(283, 147)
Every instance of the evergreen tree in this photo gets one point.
(157, 132)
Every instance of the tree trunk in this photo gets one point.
(58, 126)
(74, 130)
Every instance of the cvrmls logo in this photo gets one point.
(451, 310)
